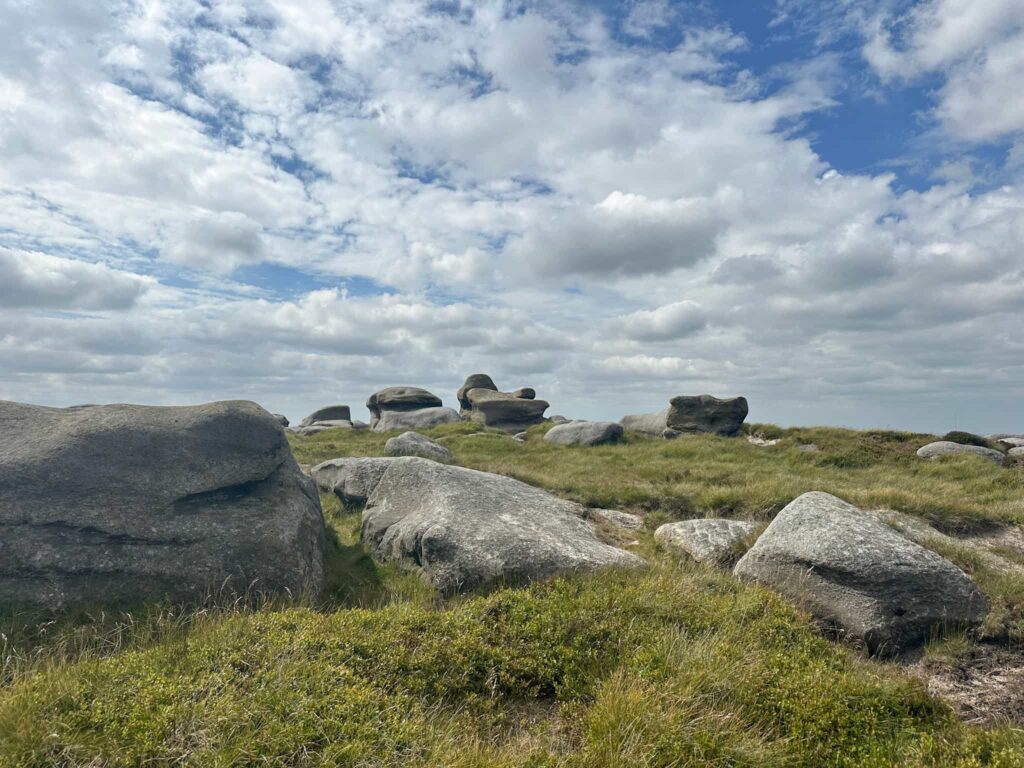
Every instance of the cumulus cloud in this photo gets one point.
(41, 281)
(672, 321)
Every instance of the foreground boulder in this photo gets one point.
(692, 414)
(854, 572)
(584, 433)
(501, 410)
(123, 503)
(414, 444)
(407, 408)
(947, 448)
(717, 542)
(464, 529)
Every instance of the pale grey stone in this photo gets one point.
(424, 418)
(125, 503)
(857, 574)
(808, 448)
(1012, 442)
(350, 478)
(415, 444)
(653, 424)
(584, 433)
(1016, 452)
(464, 529)
(386, 404)
(717, 542)
(558, 419)
(615, 517)
(946, 448)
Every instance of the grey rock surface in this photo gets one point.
(321, 426)
(717, 542)
(946, 448)
(329, 413)
(653, 424)
(1003, 435)
(464, 529)
(123, 503)
(558, 419)
(808, 448)
(351, 478)
(1012, 442)
(474, 381)
(584, 433)
(424, 418)
(281, 419)
(857, 574)
(706, 414)
(501, 410)
(1016, 452)
(615, 517)
(415, 444)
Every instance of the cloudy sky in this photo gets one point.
(817, 205)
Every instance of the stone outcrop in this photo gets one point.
(463, 529)
(407, 408)
(860, 576)
(480, 401)
(118, 504)
(692, 414)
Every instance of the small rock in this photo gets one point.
(1017, 453)
(717, 542)
(946, 448)
(615, 517)
(761, 441)
(558, 419)
(585, 433)
(415, 444)
(808, 448)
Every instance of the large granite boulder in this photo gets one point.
(501, 410)
(330, 413)
(474, 381)
(947, 448)
(692, 414)
(350, 478)
(407, 408)
(717, 542)
(415, 444)
(860, 576)
(117, 504)
(464, 529)
(584, 433)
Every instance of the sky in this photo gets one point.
(819, 206)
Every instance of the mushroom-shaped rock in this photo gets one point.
(947, 448)
(463, 529)
(503, 411)
(857, 574)
(584, 433)
(415, 444)
(125, 503)
(407, 408)
(717, 542)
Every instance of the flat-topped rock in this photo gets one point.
(407, 408)
(329, 413)
(415, 444)
(424, 418)
(702, 414)
(350, 478)
(715, 541)
(859, 575)
(947, 448)
(125, 503)
(463, 529)
(501, 410)
(584, 433)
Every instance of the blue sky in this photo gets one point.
(816, 205)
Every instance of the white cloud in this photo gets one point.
(672, 321)
(41, 281)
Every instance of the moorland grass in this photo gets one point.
(675, 665)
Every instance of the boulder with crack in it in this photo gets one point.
(501, 410)
(117, 504)
(464, 529)
(857, 574)
(407, 408)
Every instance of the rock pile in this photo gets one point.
(407, 408)
(480, 401)
(123, 503)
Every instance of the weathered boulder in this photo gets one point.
(1012, 442)
(857, 574)
(615, 517)
(717, 542)
(463, 529)
(501, 410)
(351, 478)
(281, 419)
(415, 444)
(123, 503)
(584, 433)
(946, 448)
(654, 424)
(707, 414)
(474, 381)
(330, 413)
(1016, 453)
(524, 393)
(407, 408)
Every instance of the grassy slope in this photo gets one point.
(676, 666)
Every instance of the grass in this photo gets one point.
(677, 665)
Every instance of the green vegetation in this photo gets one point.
(676, 665)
